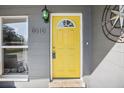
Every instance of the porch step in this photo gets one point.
(67, 83)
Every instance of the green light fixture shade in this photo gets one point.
(45, 15)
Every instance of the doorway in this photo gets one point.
(66, 45)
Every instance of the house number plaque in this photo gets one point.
(39, 30)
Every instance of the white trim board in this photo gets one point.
(14, 78)
(81, 40)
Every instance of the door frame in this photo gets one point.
(81, 40)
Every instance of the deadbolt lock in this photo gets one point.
(53, 54)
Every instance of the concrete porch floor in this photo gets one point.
(40, 83)
(33, 83)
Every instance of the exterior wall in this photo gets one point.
(103, 60)
(108, 57)
(38, 52)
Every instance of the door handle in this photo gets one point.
(53, 54)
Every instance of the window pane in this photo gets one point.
(15, 61)
(14, 31)
(66, 23)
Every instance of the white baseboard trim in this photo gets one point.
(14, 78)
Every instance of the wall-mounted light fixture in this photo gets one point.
(45, 14)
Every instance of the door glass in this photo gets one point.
(66, 23)
(14, 31)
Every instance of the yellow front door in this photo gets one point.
(66, 46)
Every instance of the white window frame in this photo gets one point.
(12, 77)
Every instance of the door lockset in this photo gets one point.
(53, 54)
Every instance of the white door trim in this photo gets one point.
(81, 40)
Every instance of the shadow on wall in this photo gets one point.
(100, 51)
(108, 66)
(101, 44)
(5, 84)
(108, 56)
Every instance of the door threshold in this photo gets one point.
(67, 83)
(66, 78)
(14, 78)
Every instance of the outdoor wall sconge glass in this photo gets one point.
(45, 14)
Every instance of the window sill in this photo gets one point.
(14, 78)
